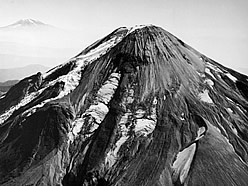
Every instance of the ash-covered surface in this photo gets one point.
(138, 107)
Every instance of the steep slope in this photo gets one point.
(138, 107)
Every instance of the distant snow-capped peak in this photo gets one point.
(27, 22)
(23, 23)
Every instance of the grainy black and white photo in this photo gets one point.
(123, 93)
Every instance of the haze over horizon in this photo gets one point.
(217, 29)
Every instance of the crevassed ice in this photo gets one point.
(106, 92)
(71, 81)
(146, 125)
(104, 95)
(142, 126)
(98, 111)
(205, 97)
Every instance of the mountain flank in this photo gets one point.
(137, 107)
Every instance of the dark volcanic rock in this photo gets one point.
(138, 107)
(18, 91)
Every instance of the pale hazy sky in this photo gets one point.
(216, 28)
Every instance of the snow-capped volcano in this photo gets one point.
(24, 23)
(29, 41)
(138, 107)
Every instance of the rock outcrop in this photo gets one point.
(138, 107)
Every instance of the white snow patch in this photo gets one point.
(99, 110)
(183, 161)
(215, 68)
(106, 92)
(209, 72)
(229, 99)
(229, 110)
(209, 82)
(234, 130)
(155, 102)
(71, 82)
(140, 113)
(237, 106)
(96, 114)
(182, 116)
(131, 29)
(201, 74)
(76, 128)
(112, 154)
(205, 97)
(234, 79)
(200, 132)
(1, 97)
(146, 126)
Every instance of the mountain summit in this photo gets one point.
(138, 107)
(28, 22)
